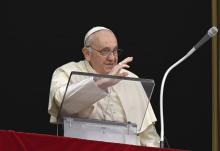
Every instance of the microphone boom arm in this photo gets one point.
(161, 93)
(211, 32)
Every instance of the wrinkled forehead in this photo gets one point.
(104, 38)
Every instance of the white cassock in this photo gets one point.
(125, 101)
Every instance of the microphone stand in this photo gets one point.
(161, 93)
(211, 32)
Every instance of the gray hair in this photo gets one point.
(88, 41)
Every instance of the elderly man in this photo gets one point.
(101, 56)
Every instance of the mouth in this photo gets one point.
(109, 65)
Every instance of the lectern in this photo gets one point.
(86, 109)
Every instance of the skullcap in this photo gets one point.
(93, 30)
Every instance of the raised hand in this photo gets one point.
(104, 83)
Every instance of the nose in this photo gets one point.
(111, 56)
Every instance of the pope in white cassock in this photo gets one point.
(115, 101)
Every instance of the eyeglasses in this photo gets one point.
(107, 51)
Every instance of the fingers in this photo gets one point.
(123, 74)
(126, 60)
(122, 64)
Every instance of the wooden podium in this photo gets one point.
(20, 141)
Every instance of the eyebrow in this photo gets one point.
(109, 48)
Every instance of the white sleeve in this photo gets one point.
(149, 137)
(82, 95)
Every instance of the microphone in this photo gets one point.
(211, 32)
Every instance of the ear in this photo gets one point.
(87, 53)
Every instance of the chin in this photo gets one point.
(108, 69)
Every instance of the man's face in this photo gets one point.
(103, 40)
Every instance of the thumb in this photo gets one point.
(123, 74)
